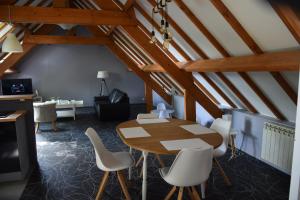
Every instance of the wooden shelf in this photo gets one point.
(13, 117)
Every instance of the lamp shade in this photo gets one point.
(102, 74)
(11, 44)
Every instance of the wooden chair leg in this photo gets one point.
(233, 149)
(102, 186)
(170, 194)
(123, 185)
(195, 194)
(190, 193)
(180, 193)
(226, 179)
(139, 161)
(161, 162)
(37, 125)
(54, 125)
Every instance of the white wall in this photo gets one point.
(295, 180)
(69, 72)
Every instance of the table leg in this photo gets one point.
(74, 111)
(144, 187)
(130, 168)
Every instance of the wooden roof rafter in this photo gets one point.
(289, 18)
(145, 58)
(125, 48)
(139, 35)
(235, 24)
(173, 83)
(199, 51)
(116, 49)
(64, 16)
(158, 79)
(176, 46)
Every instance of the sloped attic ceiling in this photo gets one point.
(201, 31)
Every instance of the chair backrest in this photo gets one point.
(146, 116)
(223, 127)
(161, 106)
(44, 112)
(191, 167)
(104, 158)
(163, 114)
(116, 96)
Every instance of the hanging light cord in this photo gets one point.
(9, 17)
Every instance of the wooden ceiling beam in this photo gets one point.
(128, 4)
(286, 87)
(244, 100)
(202, 28)
(54, 39)
(61, 3)
(7, 2)
(132, 65)
(204, 90)
(45, 15)
(262, 96)
(278, 61)
(138, 59)
(139, 35)
(218, 90)
(183, 78)
(235, 24)
(13, 59)
(230, 18)
(289, 18)
(144, 57)
(173, 83)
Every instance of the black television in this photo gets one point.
(16, 86)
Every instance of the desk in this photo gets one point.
(159, 132)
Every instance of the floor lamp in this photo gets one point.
(102, 75)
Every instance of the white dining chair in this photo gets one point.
(148, 116)
(161, 106)
(110, 162)
(222, 127)
(163, 114)
(190, 168)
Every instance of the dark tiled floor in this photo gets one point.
(68, 170)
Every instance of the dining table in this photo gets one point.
(158, 131)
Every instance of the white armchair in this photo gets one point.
(44, 112)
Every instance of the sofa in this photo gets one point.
(115, 106)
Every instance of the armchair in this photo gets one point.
(115, 106)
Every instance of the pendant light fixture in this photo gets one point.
(162, 7)
(11, 44)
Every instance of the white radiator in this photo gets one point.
(277, 146)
